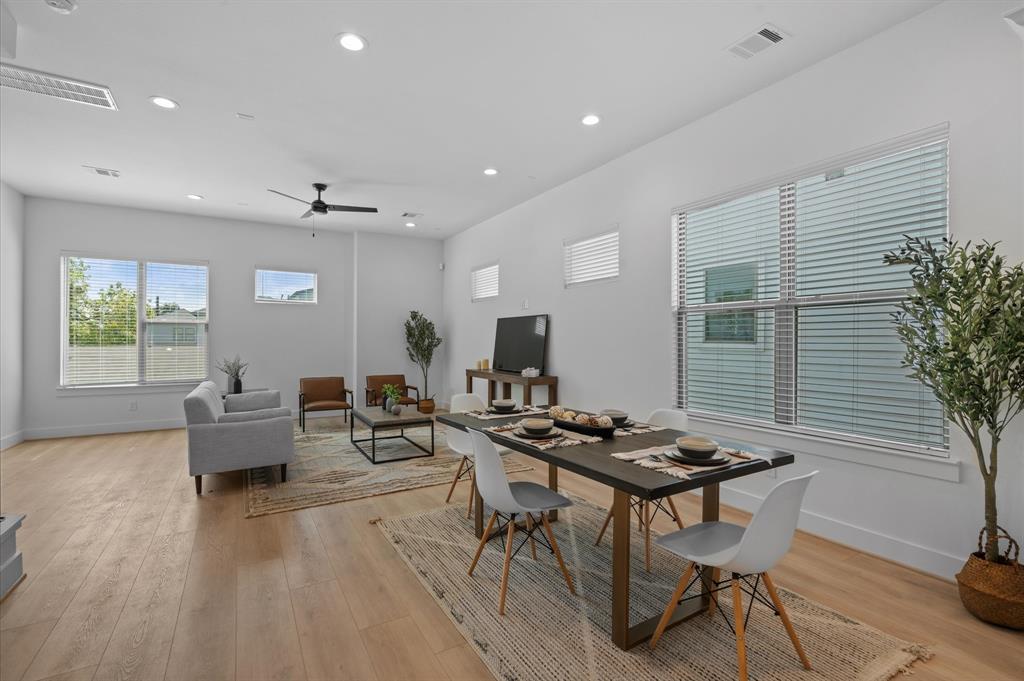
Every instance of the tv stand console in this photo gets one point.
(507, 378)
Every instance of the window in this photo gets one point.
(133, 322)
(278, 286)
(592, 259)
(784, 304)
(483, 282)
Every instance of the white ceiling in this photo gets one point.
(444, 90)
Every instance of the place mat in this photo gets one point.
(568, 438)
(641, 457)
(638, 429)
(487, 416)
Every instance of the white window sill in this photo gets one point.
(911, 462)
(125, 389)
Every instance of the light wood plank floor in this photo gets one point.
(131, 576)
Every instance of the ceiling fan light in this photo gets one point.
(352, 42)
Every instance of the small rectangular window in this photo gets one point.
(592, 259)
(483, 282)
(282, 286)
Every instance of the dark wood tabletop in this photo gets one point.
(594, 461)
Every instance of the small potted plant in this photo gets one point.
(390, 399)
(235, 369)
(421, 340)
(963, 329)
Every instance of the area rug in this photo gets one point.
(547, 633)
(328, 469)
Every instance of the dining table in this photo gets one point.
(594, 460)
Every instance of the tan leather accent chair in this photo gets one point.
(375, 389)
(323, 393)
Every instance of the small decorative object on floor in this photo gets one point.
(10, 558)
(421, 340)
(235, 369)
(391, 396)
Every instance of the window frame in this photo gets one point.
(567, 244)
(286, 270)
(479, 268)
(788, 304)
(141, 322)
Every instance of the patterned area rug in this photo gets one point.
(547, 633)
(329, 469)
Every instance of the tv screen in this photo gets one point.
(519, 342)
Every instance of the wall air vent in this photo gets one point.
(758, 41)
(105, 172)
(56, 86)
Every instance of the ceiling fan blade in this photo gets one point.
(289, 196)
(306, 214)
(351, 209)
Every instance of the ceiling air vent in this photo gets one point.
(105, 172)
(764, 38)
(56, 86)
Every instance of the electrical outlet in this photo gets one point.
(526, 303)
(133, 406)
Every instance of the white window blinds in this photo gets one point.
(276, 286)
(783, 301)
(132, 322)
(483, 282)
(592, 259)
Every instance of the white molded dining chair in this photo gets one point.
(509, 500)
(666, 418)
(459, 442)
(743, 553)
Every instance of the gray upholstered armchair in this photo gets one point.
(248, 430)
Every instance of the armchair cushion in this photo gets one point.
(254, 415)
(261, 399)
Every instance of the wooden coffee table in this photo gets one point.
(378, 419)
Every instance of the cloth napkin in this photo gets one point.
(638, 429)
(641, 457)
(487, 416)
(569, 438)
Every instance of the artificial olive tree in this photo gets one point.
(421, 340)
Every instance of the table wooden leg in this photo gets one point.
(552, 395)
(553, 486)
(491, 389)
(620, 569)
(469, 384)
(709, 513)
(527, 395)
(506, 391)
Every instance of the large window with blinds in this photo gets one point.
(783, 302)
(130, 322)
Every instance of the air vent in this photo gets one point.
(56, 86)
(759, 41)
(105, 172)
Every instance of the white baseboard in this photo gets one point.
(103, 428)
(928, 560)
(12, 439)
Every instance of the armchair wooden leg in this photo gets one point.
(737, 616)
(607, 519)
(508, 563)
(675, 512)
(472, 494)
(199, 484)
(671, 607)
(558, 554)
(483, 542)
(284, 472)
(451, 490)
(785, 620)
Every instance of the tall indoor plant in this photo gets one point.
(963, 329)
(421, 340)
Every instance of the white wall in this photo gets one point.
(12, 257)
(281, 342)
(396, 275)
(611, 343)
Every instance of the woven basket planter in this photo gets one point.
(994, 591)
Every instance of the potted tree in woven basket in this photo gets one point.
(963, 330)
(421, 340)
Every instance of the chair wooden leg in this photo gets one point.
(508, 562)
(472, 494)
(455, 480)
(647, 535)
(675, 512)
(671, 607)
(607, 519)
(199, 484)
(529, 527)
(558, 554)
(737, 616)
(483, 542)
(785, 620)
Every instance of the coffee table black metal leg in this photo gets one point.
(373, 444)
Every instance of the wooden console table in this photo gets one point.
(507, 378)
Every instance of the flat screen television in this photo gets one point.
(520, 342)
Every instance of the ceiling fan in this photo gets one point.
(320, 207)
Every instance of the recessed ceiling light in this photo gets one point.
(590, 119)
(490, 171)
(352, 42)
(410, 225)
(164, 102)
(194, 197)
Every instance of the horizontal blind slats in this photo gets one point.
(484, 282)
(591, 259)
